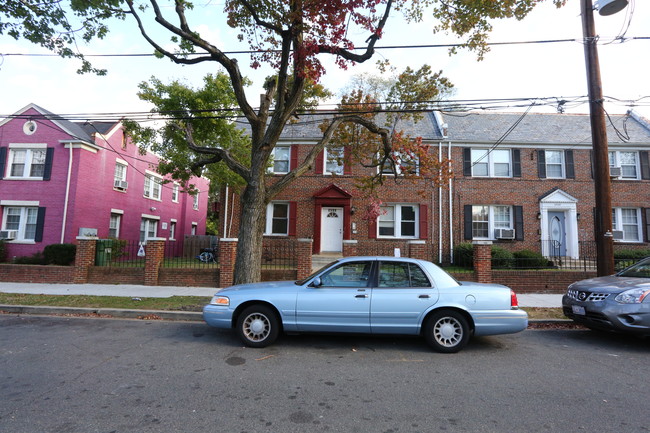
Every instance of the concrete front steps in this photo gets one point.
(322, 259)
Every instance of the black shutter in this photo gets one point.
(467, 162)
(568, 161)
(40, 223)
(646, 212)
(541, 164)
(3, 161)
(516, 163)
(47, 170)
(645, 165)
(519, 222)
(467, 211)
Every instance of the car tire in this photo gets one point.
(258, 326)
(447, 331)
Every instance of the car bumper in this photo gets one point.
(499, 322)
(218, 316)
(609, 315)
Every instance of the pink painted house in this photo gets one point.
(61, 179)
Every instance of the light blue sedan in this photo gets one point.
(369, 295)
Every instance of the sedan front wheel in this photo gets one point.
(447, 331)
(258, 326)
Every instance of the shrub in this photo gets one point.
(464, 255)
(34, 259)
(502, 258)
(529, 259)
(631, 254)
(60, 254)
(3, 251)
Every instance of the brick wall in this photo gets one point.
(37, 274)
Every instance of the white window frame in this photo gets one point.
(195, 201)
(172, 230)
(114, 224)
(486, 157)
(387, 170)
(175, 189)
(274, 160)
(270, 217)
(148, 228)
(24, 213)
(391, 218)
(152, 186)
(492, 222)
(618, 223)
(195, 227)
(335, 165)
(548, 164)
(29, 150)
(615, 157)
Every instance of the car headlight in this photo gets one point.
(220, 300)
(632, 296)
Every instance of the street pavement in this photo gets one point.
(138, 291)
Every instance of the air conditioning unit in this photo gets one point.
(8, 235)
(614, 171)
(120, 184)
(504, 233)
(618, 235)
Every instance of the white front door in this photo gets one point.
(331, 234)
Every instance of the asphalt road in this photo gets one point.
(95, 375)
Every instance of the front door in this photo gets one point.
(331, 229)
(557, 234)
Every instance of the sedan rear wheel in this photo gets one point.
(258, 326)
(447, 331)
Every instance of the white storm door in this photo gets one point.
(331, 229)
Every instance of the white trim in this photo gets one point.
(153, 173)
(173, 220)
(121, 161)
(560, 201)
(25, 203)
(27, 145)
(119, 211)
(150, 217)
(67, 144)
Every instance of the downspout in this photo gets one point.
(451, 208)
(67, 195)
(440, 206)
(225, 215)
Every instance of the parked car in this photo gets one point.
(619, 302)
(369, 295)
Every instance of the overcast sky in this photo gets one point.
(509, 71)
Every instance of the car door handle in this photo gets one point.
(361, 296)
(424, 296)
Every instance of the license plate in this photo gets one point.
(577, 309)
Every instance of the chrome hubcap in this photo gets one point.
(256, 327)
(448, 332)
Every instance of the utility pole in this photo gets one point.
(602, 183)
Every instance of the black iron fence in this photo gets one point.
(119, 253)
(279, 254)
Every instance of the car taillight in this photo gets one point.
(514, 303)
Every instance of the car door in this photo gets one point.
(402, 294)
(340, 303)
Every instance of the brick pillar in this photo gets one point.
(227, 255)
(418, 250)
(483, 261)
(350, 248)
(84, 259)
(154, 256)
(304, 247)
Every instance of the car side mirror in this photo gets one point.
(317, 282)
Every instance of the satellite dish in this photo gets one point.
(610, 7)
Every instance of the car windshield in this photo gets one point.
(639, 270)
(303, 281)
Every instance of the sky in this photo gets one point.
(508, 71)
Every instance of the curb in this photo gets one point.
(105, 312)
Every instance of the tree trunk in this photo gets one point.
(248, 263)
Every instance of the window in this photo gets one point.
(487, 218)
(491, 163)
(554, 163)
(21, 219)
(334, 162)
(175, 193)
(355, 274)
(194, 229)
(277, 219)
(172, 230)
(281, 159)
(400, 274)
(27, 163)
(404, 164)
(152, 186)
(627, 161)
(398, 221)
(627, 220)
(119, 176)
(195, 201)
(148, 229)
(114, 225)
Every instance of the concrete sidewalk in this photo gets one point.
(137, 291)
